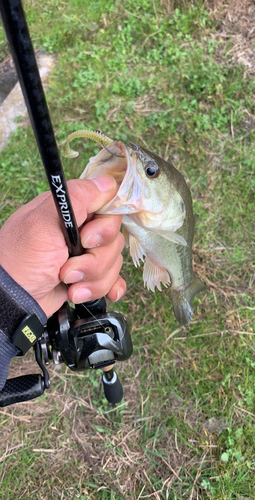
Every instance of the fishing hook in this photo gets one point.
(114, 154)
(134, 145)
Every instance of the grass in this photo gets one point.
(159, 75)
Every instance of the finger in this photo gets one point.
(92, 265)
(91, 290)
(87, 196)
(101, 230)
(118, 290)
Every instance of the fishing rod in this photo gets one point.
(85, 336)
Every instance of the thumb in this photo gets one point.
(87, 196)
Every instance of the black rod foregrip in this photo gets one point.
(25, 62)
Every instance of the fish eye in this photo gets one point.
(151, 169)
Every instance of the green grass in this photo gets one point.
(158, 76)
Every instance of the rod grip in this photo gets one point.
(19, 389)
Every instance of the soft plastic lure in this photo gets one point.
(96, 136)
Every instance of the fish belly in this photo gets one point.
(159, 254)
(162, 258)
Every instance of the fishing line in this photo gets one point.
(91, 314)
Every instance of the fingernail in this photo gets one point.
(93, 240)
(120, 292)
(73, 277)
(81, 295)
(104, 182)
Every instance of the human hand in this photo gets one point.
(35, 254)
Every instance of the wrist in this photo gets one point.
(21, 322)
(16, 304)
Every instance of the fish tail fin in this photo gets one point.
(182, 300)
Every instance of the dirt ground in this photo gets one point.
(237, 25)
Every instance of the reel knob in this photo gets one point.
(112, 387)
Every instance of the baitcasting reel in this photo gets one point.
(83, 337)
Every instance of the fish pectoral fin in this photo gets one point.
(136, 250)
(126, 236)
(173, 237)
(154, 275)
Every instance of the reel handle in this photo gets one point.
(19, 389)
(113, 389)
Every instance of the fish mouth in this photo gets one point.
(123, 169)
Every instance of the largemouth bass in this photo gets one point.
(158, 221)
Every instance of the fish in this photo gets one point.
(158, 221)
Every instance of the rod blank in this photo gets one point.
(24, 59)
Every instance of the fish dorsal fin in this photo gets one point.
(154, 275)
